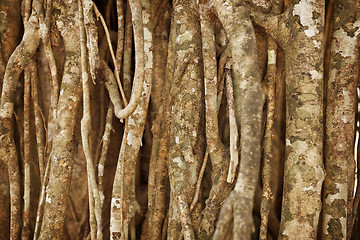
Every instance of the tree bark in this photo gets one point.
(340, 105)
(61, 156)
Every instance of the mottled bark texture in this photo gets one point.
(218, 152)
(199, 91)
(17, 62)
(88, 60)
(300, 29)
(269, 158)
(247, 88)
(136, 11)
(269, 137)
(340, 118)
(158, 104)
(124, 204)
(61, 156)
(304, 171)
(185, 136)
(10, 20)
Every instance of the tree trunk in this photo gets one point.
(202, 96)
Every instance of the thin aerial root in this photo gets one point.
(234, 135)
(224, 59)
(94, 198)
(111, 86)
(98, 14)
(127, 62)
(268, 142)
(17, 62)
(40, 211)
(136, 11)
(38, 125)
(117, 208)
(45, 23)
(198, 183)
(2, 67)
(104, 150)
(92, 218)
(26, 160)
(120, 34)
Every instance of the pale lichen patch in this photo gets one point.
(101, 169)
(340, 147)
(262, 3)
(244, 85)
(48, 199)
(357, 25)
(340, 194)
(310, 188)
(60, 24)
(315, 160)
(347, 99)
(346, 44)
(317, 44)
(116, 202)
(271, 57)
(296, 229)
(7, 110)
(303, 10)
(194, 175)
(175, 213)
(193, 75)
(300, 147)
(186, 36)
(42, 28)
(180, 162)
(344, 119)
(114, 226)
(133, 140)
(315, 74)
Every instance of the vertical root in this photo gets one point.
(234, 151)
(94, 198)
(268, 142)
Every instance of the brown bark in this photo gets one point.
(61, 156)
(247, 88)
(195, 127)
(185, 136)
(340, 105)
(17, 62)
